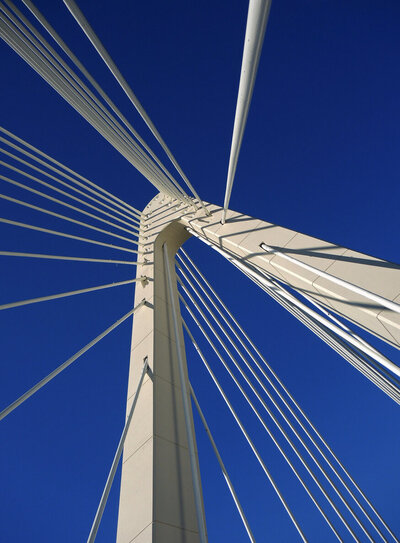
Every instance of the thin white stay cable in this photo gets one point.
(65, 72)
(72, 78)
(257, 18)
(117, 457)
(133, 223)
(249, 270)
(243, 430)
(91, 80)
(70, 293)
(17, 41)
(355, 359)
(273, 438)
(64, 235)
(132, 232)
(67, 363)
(217, 454)
(358, 360)
(66, 258)
(338, 344)
(83, 23)
(380, 300)
(272, 399)
(87, 184)
(62, 84)
(275, 420)
(268, 283)
(309, 299)
(266, 428)
(367, 360)
(331, 317)
(201, 522)
(279, 382)
(371, 361)
(318, 326)
(65, 218)
(338, 331)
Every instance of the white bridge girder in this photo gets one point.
(157, 499)
(242, 236)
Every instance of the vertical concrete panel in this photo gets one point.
(157, 498)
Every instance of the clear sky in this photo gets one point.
(320, 155)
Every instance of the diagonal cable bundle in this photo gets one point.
(87, 29)
(279, 395)
(364, 357)
(106, 214)
(273, 380)
(28, 43)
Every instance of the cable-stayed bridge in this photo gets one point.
(335, 292)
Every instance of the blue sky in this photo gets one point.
(320, 155)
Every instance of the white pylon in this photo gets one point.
(157, 501)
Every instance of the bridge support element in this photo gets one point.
(157, 499)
